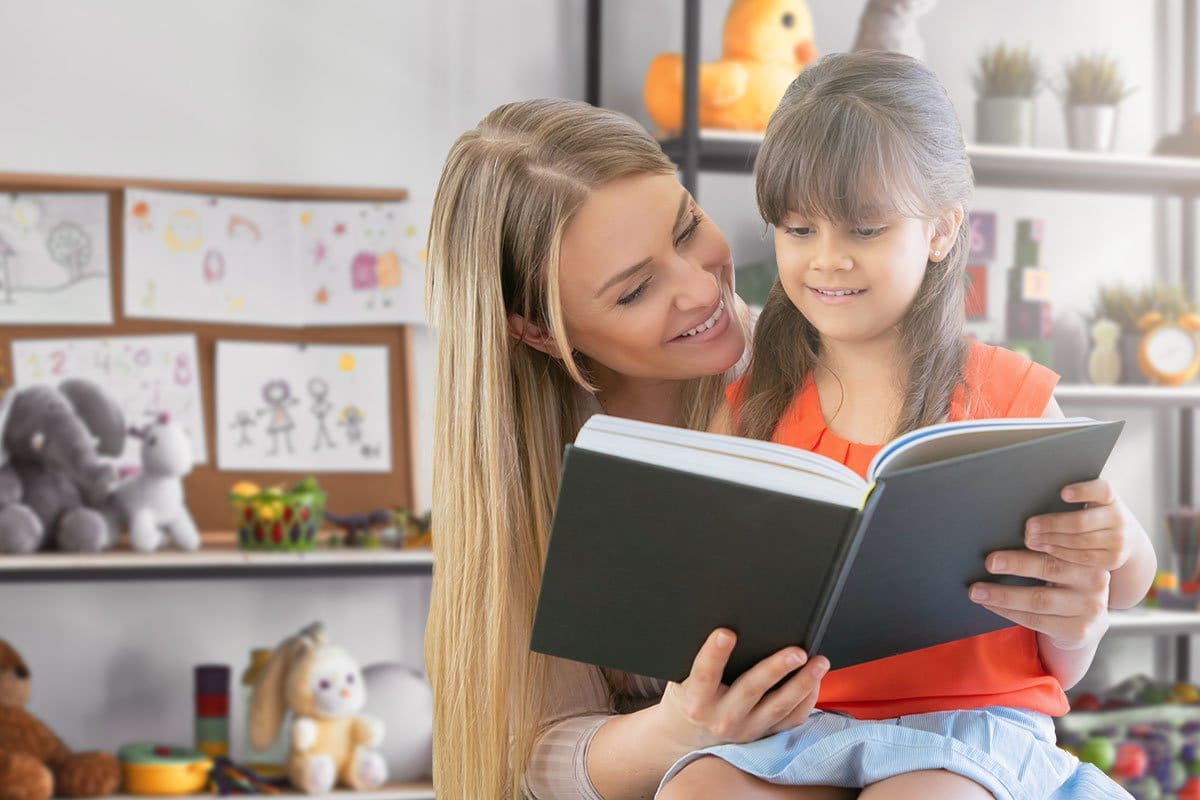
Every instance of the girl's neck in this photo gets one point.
(860, 386)
(864, 366)
(645, 399)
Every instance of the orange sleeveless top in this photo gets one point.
(999, 668)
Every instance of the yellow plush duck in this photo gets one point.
(766, 44)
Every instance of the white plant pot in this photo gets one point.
(1091, 127)
(1004, 120)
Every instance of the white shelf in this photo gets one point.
(222, 560)
(1139, 396)
(416, 791)
(1135, 621)
(1004, 167)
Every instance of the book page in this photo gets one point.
(952, 439)
(756, 463)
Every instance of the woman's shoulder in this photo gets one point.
(1005, 383)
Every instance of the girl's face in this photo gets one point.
(646, 282)
(854, 283)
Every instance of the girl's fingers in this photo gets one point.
(1098, 491)
(1045, 567)
(1066, 632)
(1103, 559)
(1047, 601)
(1090, 540)
(794, 698)
(1088, 519)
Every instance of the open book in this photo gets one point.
(662, 534)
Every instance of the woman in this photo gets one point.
(570, 273)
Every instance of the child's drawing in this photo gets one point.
(146, 375)
(264, 420)
(54, 264)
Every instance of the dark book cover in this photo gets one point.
(645, 561)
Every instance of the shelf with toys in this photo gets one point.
(410, 791)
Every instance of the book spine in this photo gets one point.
(836, 579)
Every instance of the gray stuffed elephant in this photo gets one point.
(54, 490)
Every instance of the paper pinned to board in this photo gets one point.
(271, 262)
(145, 375)
(54, 258)
(303, 407)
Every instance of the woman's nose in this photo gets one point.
(699, 286)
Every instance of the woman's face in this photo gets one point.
(646, 282)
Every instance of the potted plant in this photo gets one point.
(1006, 80)
(1092, 90)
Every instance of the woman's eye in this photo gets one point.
(635, 294)
(689, 230)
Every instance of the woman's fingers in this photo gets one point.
(790, 704)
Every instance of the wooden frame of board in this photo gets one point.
(207, 487)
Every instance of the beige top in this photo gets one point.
(558, 766)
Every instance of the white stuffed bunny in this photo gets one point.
(322, 686)
(151, 503)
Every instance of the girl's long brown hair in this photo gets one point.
(862, 136)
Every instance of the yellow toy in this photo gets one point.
(767, 43)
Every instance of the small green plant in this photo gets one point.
(1126, 306)
(1007, 72)
(1093, 80)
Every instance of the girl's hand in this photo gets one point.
(701, 711)
(1096, 536)
(1071, 610)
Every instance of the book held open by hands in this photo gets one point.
(662, 534)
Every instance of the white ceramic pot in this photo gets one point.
(1004, 120)
(1091, 127)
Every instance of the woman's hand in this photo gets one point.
(701, 711)
(1071, 611)
(1100, 535)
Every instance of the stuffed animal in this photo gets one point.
(34, 763)
(767, 43)
(322, 686)
(54, 487)
(151, 503)
(892, 25)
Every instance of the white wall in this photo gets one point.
(373, 93)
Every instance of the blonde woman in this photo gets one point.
(570, 273)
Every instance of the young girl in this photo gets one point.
(864, 177)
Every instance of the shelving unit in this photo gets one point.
(408, 791)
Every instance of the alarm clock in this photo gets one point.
(1169, 353)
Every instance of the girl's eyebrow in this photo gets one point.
(625, 273)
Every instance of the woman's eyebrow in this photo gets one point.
(625, 273)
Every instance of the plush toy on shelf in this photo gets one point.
(766, 44)
(55, 484)
(34, 763)
(323, 688)
(151, 503)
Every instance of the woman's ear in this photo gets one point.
(533, 335)
(945, 231)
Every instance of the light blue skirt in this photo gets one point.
(1011, 752)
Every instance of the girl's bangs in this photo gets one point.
(835, 160)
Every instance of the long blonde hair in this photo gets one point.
(861, 136)
(504, 412)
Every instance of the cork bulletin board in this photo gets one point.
(206, 486)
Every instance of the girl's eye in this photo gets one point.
(689, 230)
(635, 294)
(799, 232)
(868, 233)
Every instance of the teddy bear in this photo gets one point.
(323, 688)
(34, 763)
(55, 481)
(151, 502)
(766, 44)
